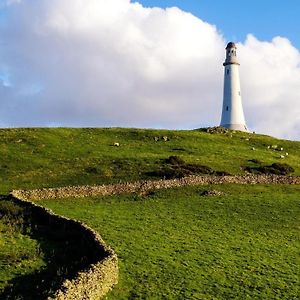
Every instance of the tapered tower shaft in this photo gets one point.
(232, 113)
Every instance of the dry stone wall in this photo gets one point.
(144, 186)
(94, 283)
(98, 277)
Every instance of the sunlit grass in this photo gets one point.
(34, 158)
(177, 244)
(174, 243)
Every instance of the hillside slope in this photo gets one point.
(50, 157)
(237, 242)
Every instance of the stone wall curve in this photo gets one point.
(97, 278)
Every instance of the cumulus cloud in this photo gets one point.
(117, 63)
(271, 76)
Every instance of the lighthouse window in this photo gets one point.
(227, 71)
(239, 93)
(227, 108)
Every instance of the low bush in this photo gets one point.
(275, 168)
(175, 167)
(281, 169)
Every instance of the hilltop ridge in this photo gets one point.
(55, 157)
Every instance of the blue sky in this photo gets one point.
(235, 19)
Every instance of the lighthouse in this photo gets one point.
(232, 113)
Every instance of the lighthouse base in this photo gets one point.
(239, 127)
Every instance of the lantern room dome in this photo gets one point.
(231, 45)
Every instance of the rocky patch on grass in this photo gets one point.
(207, 193)
(217, 130)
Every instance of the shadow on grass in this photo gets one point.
(62, 262)
(64, 250)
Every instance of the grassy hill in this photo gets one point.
(175, 244)
(33, 158)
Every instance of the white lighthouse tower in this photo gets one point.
(232, 114)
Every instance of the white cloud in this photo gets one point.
(116, 63)
(270, 78)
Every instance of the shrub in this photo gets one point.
(175, 167)
(283, 169)
(275, 169)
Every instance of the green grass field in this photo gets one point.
(173, 244)
(34, 158)
(178, 244)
